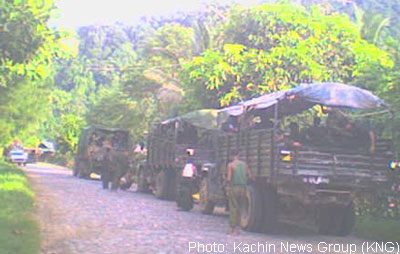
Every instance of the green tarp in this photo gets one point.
(210, 119)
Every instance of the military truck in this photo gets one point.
(167, 145)
(91, 140)
(307, 184)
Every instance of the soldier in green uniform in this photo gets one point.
(238, 174)
(119, 165)
(103, 160)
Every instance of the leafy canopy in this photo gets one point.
(276, 46)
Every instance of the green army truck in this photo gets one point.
(168, 143)
(92, 139)
(307, 184)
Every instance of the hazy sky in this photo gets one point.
(74, 13)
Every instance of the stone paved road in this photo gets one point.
(78, 217)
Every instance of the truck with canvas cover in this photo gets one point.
(168, 144)
(88, 159)
(311, 176)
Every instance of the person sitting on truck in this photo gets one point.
(316, 134)
(294, 137)
(262, 121)
(187, 134)
(246, 122)
(358, 137)
(231, 124)
(238, 175)
(335, 125)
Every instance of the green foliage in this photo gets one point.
(75, 90)
(173, 41)
(18, 231)
(27, 44)
(378, 228)
(275, 46)
(118, 110)
(28, 48)
(127, 76)
(23, 108)
(378, 10)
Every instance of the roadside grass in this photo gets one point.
(378, 228)
(19, 233)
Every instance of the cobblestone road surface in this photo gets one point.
(78, 217)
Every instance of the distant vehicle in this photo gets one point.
(46, 149)
(168, 143)
(90, 141)
(19, 156)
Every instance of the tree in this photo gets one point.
(276, 46)
(118, 110)
(28, 48)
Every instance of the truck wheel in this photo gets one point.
(84, 175)
(142, 185)
(250, 209)
(206, 205)
(172, 185)
(270, 210)
(336, 220)
(126, 185)
(161, 188)
(348, 220)
(323, 220)
(185, 201)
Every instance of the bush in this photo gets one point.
(18, 230)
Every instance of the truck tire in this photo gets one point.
(142, 185)
(336, 220)
(172, 185)
(251, 210)
(84, 175)
(126, 185)
(206, 205)
(185, 201)
(161, 186)
(323, 220)
(270, 210)
(348, 220)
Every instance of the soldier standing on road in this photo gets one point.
(104, 156)
(238, 175)
(119, 165)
